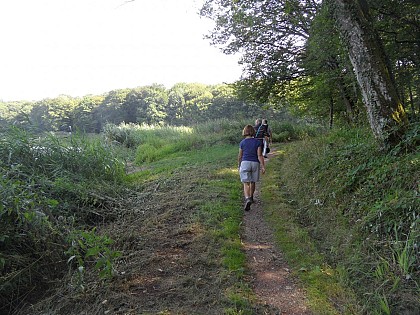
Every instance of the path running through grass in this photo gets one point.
(271, 277)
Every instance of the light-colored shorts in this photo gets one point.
(249, 171)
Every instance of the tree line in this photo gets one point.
(336, 58)
(183, 104)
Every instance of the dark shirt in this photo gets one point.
(249, 148)
(268, 130)
(260, 131)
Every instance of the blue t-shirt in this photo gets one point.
(249, 148)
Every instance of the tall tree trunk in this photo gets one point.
(385, 111)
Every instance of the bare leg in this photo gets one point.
(247, 194)
(248, 190)
(252, 189)
(264, 148)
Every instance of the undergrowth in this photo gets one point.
(360, 206)
(60, 194)
(152, 143)
(49, 187)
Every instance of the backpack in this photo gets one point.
(261, 132)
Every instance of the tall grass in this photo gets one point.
(46, 185)
(153, 143)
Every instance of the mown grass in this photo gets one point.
(356, 208)
(55, 190)
(213, 169)
(220, 212)
(211, 146)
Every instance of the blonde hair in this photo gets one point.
(248, 131)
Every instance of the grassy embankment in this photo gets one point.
(347, 215)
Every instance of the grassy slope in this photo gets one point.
(348, 216)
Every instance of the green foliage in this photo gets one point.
(47, 189)
(410, 140)
(270, 41)
(293, 56)
(160, 142)
(362, 205)
(329, 90)
(288, 131)
(122, 134)
(87, 247)
(156, 142)
(402, 19)
(184, 104)
(54, 157)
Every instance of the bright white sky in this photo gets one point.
(80, 47)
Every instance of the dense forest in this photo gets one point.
(183, 104)
(310, 67)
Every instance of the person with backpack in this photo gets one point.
(250, 162)
(268, 138)
(261, 133)
(257, 127)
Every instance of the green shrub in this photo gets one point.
(86, 247)
(124, 134)
(285, 131)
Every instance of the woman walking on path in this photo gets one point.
(250, 161)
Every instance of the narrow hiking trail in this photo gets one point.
(270, 276)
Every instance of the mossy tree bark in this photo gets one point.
(385, 110)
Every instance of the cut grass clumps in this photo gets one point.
(222, 215)
(360, 206)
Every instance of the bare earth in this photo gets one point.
(271, 279)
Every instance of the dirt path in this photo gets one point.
(271, 279)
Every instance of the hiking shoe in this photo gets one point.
(247, 204)
(252, 199)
